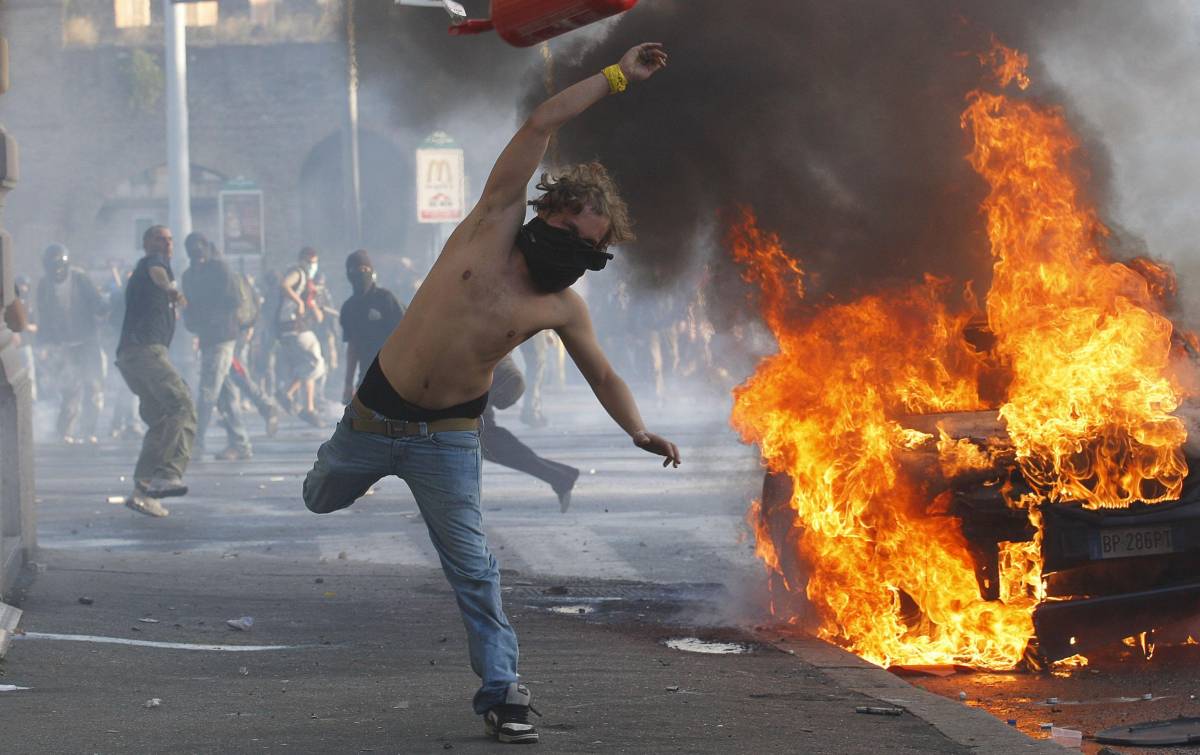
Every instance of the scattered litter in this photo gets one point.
(696, 645)
(402, 705)
(1066, 737)
(148, 620)
(871, 710)
(86, 601)
(276, 478)
(341, 555)
(116, 499)
(330, 594)
(962, 695)
(40, 566)
(153, 702)
(1176, 731)
(1046, 726)
(242, 624)
(673, 688)
(1011, 722)
(1148, 696)
(319, 580)
(591, 471)
(572, 610)
(557, 590)
(11, 688)
(1051, 701)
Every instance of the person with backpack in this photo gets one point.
(214, 315)
(301, 363)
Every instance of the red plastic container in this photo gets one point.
(524, 23)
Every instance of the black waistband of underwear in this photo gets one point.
(379, 395)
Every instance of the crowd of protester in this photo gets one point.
(277, 344)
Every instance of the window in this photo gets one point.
(130, 14)
(262, 12)
(202, 13)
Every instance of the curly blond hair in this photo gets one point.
(586, 185)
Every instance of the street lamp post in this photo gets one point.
(179, 200)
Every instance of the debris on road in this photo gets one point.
(872, 710)
(243, 671)
(1176, 731)
(242, 624)
(148, 620)
(1066, 737)
(154, 702)
(11, 688)
(86, 601)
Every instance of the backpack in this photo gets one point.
(248, 306)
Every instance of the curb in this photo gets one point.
(964, 725)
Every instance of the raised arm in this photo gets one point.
(579, 338)
(505, 187)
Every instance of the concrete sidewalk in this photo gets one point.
(375, 661)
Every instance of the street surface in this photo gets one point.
(356, 644)
(629, 518)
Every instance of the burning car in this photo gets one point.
(981, 481)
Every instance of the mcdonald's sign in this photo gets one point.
(441, 181)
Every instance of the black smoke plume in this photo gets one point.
(836, 122)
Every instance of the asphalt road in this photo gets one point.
(629, 518)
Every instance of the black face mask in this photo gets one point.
(557, 257)
(362, 280)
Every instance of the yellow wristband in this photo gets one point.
(617, 82)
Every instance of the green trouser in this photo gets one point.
(166, 407)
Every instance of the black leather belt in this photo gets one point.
(400, 428)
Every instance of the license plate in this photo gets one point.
(1132, 541)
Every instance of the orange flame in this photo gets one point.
(1089, 408)
(1088, 411)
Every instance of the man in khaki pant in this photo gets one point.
(165, 401)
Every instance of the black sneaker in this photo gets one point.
(509, 721)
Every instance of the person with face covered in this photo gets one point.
(70, 310)
(368, 318)
(164, 401)
(299, 348)
(496, 284)
(213, 291)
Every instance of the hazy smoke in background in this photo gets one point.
(837, 122)
(1131, 70)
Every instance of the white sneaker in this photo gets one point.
(144, 504)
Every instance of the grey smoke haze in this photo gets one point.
(1133, 70)
(837, 122)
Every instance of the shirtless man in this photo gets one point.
(496, 284)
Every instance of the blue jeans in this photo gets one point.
(216, 390)
(443, 472)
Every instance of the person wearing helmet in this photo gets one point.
(70, 310)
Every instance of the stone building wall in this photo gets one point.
(257, 111)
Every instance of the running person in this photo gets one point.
(496, 284)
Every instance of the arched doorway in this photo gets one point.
(386, 190)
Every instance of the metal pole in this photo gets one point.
(353, 175)
(178, 161)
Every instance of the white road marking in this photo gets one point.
(148, 644)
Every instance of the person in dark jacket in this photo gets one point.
(213, 294)
(367, 318)
(69, 312)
